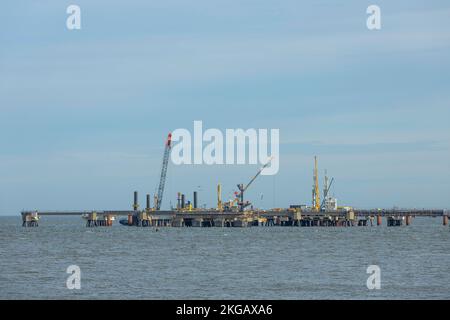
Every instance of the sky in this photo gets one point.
(84, 113)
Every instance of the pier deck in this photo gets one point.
(211, 218)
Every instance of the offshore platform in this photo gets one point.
(239, 212)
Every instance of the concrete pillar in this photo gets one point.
(197, 222)
(408, 220)
(177, 222)
(379, 220)
(240, 223)
(445, 220)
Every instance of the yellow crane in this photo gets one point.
(316, 192)
(219, 197)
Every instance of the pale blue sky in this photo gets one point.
(84, 113)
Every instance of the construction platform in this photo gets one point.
(214, 218)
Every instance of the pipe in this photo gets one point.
(148, 203)
(182, 201)
(135, 204)
(195, 199)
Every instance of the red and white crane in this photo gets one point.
(162, 179)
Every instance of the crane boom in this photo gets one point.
(326, 192)
(242, 189)
(162, 179)
(257, 174)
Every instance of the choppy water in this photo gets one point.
(223, 263)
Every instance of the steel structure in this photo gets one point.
(242, 189)
(162, 179)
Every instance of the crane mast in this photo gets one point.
(162, 180)
(316, 192)
(326, 191)
(219, 197)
